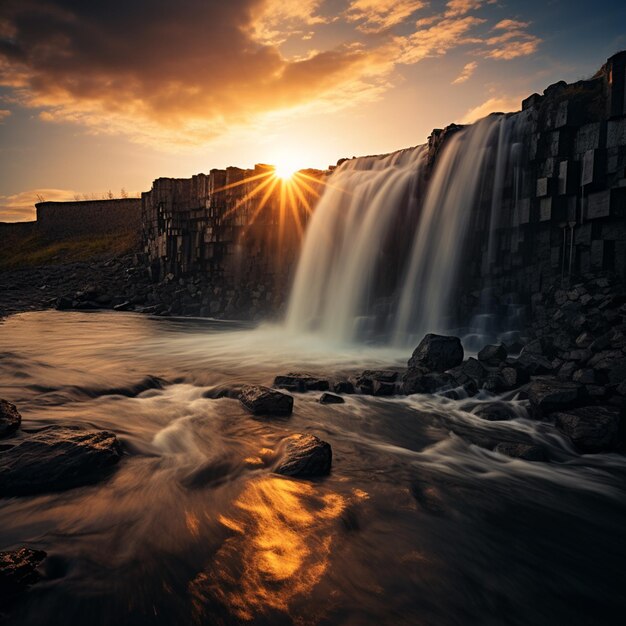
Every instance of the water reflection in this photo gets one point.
(282, 538)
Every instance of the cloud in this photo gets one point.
(20, 207)
(511, 25)
(4, 113)
(467, 72)
(276, 20)
(503, 104)
(177, 75)
(436, 39)
(455, 8)
(378, 15)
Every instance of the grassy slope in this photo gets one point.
(32, 250)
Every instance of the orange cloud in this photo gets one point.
(199, 71)
(378, 15)
(4, 113)
(467, 72)
(502, 104)
(455, 8)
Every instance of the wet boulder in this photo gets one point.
(301, 382)
(493, 354)
(437, 353)
(591, 429)
(534, 364)
(527, 452)
(496, 411)
(304, 456)
(56, 459)
(10, 418)
(343, 386)
(550, 395)
(420, 380)
(377, 382)
(261, 400)
(331, 398)
(18, 570)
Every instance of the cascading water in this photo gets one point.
(359, 224)
(383, 253)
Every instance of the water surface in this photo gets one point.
(417, 523)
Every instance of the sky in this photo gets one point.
(99, 96)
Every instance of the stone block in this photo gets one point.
(531, 101)
(607, 203)
(616, 133)
(545, 209)
(593, 167)
(568, 177)
(544, 187)
(589, 137)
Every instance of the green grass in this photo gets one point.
(32, 250)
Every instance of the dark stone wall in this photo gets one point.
(89, 217)
(233, 224)
(564, 218)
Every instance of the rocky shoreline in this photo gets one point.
(124, 283)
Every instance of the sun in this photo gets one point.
(285, 170)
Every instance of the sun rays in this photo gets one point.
(282, 194)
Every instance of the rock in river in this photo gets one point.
(18, 570)
(261, 400)
(591, 428)
(331, 398)
(55, 459)
(301, 382)
(551, 395)
(437, 353)
(524, 451)
(10, 418)
(305, 456)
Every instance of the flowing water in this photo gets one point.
(416, 524)
(385, 249)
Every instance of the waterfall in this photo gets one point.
(357, 232)
(384, 250)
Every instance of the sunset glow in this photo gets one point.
(285, 170)
(215, 84)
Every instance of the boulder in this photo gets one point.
(10, 418)
(381, 388)
(305, 456)
(551, 395)
(591, 429)
(343, 386)
(495, 411)
(437, 353)
(301, 382)
(534, 364)
(376, 382)
(261, 400)
(56, 459)
(384, 376)
(331, 398)
(493, 354)
(527, 452)
(419, 380)
(18, 570)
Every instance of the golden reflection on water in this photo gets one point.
(281, 548)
